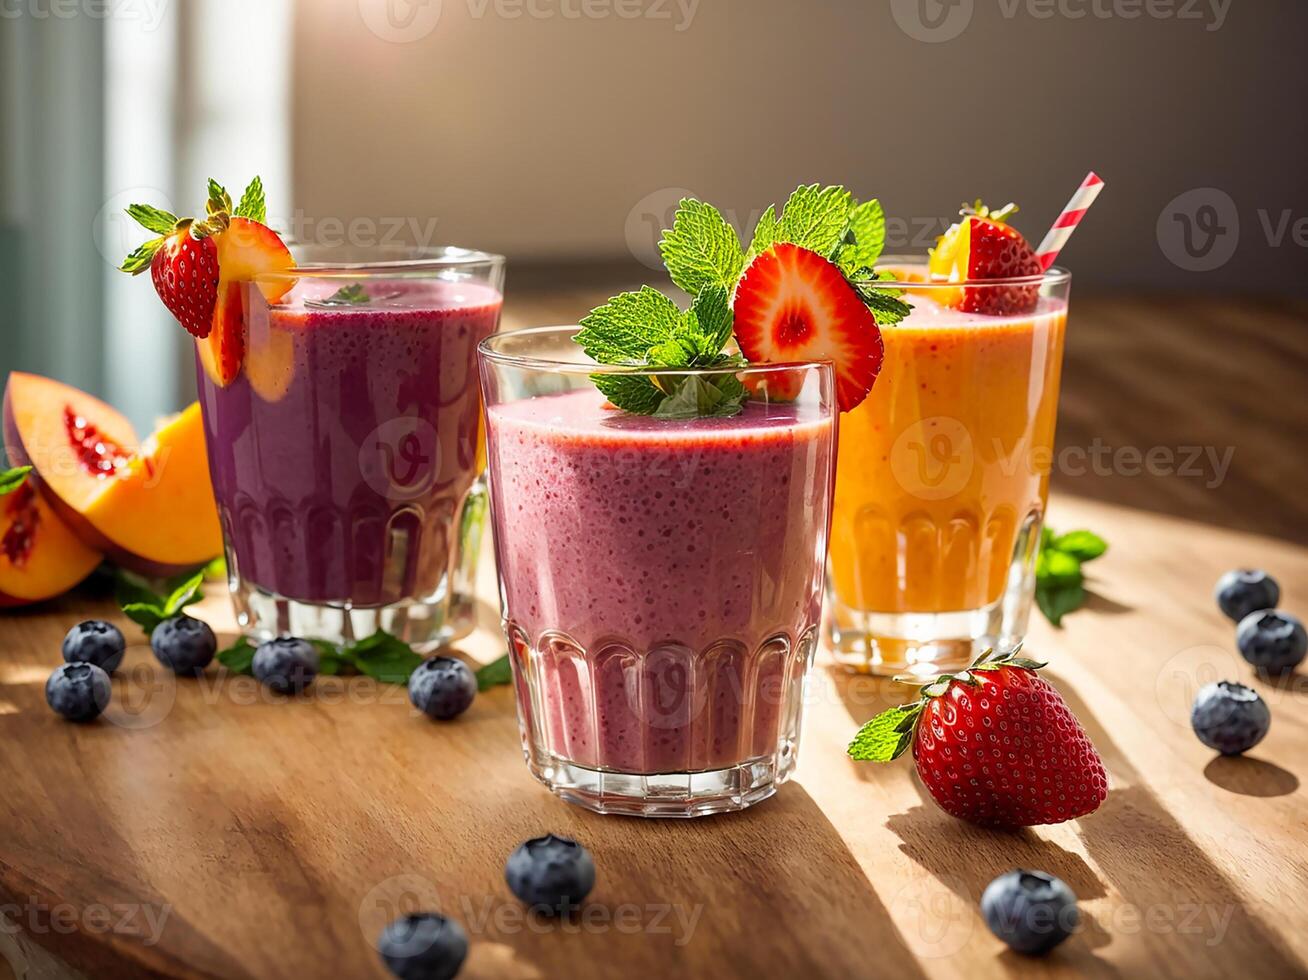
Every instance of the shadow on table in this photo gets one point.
(1250, 777)
(771, 891)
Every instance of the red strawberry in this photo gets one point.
(996, 745)
(185, 274)
(984, 246)
(794, 305)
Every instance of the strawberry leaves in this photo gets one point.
(253, 205)
(218, 214)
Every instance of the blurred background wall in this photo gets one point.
(562, 132)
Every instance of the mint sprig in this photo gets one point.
(12, 479)
(148, 608)
(383, 657)
(1060, 580)
(704, 257)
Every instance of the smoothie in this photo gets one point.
(343, 452)
(661, 580)
(946, 463)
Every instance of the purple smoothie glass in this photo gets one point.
(660, 580)
(347, 454)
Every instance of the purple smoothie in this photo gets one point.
(667, 575)
(344, 449)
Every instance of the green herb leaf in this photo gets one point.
(253, 205)
(147, 608)
(1056, 569)
(886, 736)
(701, 249)
(11, 480)
(183, 590)
(153, 219)
(140, 260)
(700, 397)
(630, 392)
(1056, 601)
(383, 657)
(766, 233)
(1082, 545)
(710, 318)
(219, 199)
(867, 228)
(816, 218)
(239, 657)
(216, 570)
(886, 304)
(146, 615)
(628, 326)
(495, 674)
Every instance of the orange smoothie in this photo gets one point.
(947, 461)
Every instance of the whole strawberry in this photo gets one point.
(183, 263)
(995, 745)
(984, 246)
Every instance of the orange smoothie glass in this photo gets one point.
(942, 479)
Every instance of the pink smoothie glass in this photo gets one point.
(347, 453)
(660, 580)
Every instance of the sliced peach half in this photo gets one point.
(148, 507)
(40, 558)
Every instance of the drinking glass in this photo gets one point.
(660, 580)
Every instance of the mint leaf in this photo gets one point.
(352, 295)
(867, 228)
(146, 615)
(886, 736)
(1056, 601)
(143, 606)
(253, 205)
(816, 218)
(624, 329)
(630, 392)
(140, 260)
(183, 591)
(1056, 569)
(239, 657)
(698, 397)
(11, 480)
(711, 318)
(153, 219)
(765, 233)
(495, 674)
(886, 303)
(701, 249)
(383, 657)
(216, 570)
(1082, 545)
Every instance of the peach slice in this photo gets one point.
(246, 250)
(40, 558)
(148, 508)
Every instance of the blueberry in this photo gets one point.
(423, 947)
(550, 873)
(184, 644)
(442, 687)
(1272, 641)
(1030, 910)
(1246, 590)
(1229, 717)
(78, 691)
(95, 642)
(286, 664)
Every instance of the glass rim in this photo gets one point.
(1055, 275)
(487, 350)
(415, 261)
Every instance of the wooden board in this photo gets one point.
(214, 832)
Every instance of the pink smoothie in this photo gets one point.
(667, 576)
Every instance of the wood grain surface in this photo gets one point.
(207, 829)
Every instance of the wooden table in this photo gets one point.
(214, 833)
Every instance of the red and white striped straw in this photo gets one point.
(1067, 221)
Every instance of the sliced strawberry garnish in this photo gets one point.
(185, 274)
(223, 350)
(984, 246)
(794, 305)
